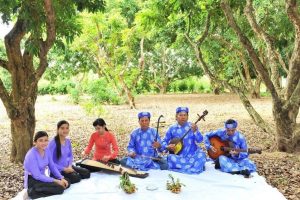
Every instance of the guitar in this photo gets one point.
(112, 167)
(179, 141)
(223, 148)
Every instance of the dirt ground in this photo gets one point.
(281, 170)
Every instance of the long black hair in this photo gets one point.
(100, 122)
(57, 140)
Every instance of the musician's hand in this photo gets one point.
(194, 127)
(156, 145)
(65, 182)
(105, 158)
(61, 182)
(84, 155)
(132, 154)
(68, 170)
(213, 149)
(233, 153)
(171, 147)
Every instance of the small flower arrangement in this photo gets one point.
(126, 184)
(173, 186)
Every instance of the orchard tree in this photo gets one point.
(230, 37)
(164, 65)
(38, 26)
(286, 101)
(117, 46)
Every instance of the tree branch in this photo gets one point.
(4, 94)
(28, 56)
(12, 44)
(7, 101)
(294, 62)
(141, 64)
(205, 33)
(247, 104)
(248, 46)
(254, 115)
(227, 43)
(48, 43)
(271, 50)
(4, 64)
(294, 100)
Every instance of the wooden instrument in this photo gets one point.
(179, 141)
(156, 153)
(112, 167)
(151, 157)
(223, 148)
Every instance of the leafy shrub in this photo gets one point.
(201, 88)
(183, 86)
(75, 95)
(58, 87)
(93, 108)
(191, 86)
(101, 91)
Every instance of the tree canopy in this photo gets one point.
(38, 26)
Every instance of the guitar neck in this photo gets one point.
(189, 129)
(181, 138)
(234, 149)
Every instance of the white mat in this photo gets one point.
(209, 185)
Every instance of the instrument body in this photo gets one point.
(224, 147)
(178, 145)
(179, 141)
(111, 167)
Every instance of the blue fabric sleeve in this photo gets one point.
(52, 149)
(167, 138)
(131, 144)
(242, 145)
(162, 148)
(31, 165)
(70, 156)
(52, 166)
(198, 136)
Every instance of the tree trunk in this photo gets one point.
(215, 87)
(286, 138)
(162, 89)
(128, 93)
(22, 129)
(20, 101)
(163, 86)
(255, 93)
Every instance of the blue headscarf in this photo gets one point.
(231, 123)
(144, 114)
(182, 109)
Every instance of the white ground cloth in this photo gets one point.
(209, 185)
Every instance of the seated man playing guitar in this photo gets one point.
(236, 160)
(143, 147)
(189, 158)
